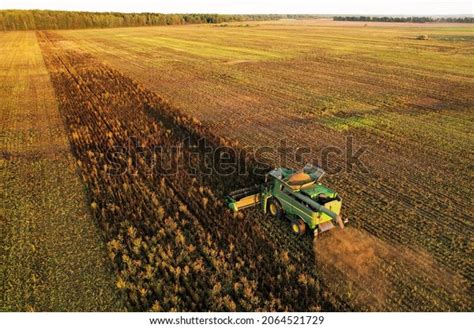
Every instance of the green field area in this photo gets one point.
(233, 74)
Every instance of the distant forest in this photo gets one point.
(11, 20)
(405, 19)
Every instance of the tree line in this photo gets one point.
(11, 20)
(424, 19)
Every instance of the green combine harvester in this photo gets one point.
(295, 195)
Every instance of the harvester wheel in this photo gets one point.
(274, 208)
(298, 227)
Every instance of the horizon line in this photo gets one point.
(216, 13)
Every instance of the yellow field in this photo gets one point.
(53, 258)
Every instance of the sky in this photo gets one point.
(361, 7)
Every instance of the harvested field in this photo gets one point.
(52, 255)
(375, 275)
(137, 101)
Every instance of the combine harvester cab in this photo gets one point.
(295, 195)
